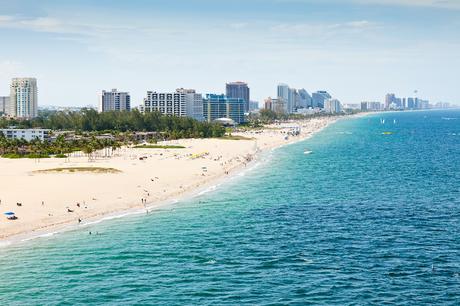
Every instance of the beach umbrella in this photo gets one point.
(9, 213)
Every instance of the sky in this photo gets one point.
(358, 50)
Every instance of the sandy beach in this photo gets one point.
(44, 201)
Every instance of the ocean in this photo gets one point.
(371, 216)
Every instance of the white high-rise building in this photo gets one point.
(114, 101)
(172, 104)
(193, 102)
(181, 103)
(23, 98)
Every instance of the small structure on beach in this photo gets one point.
(10, 215)
(225, 122)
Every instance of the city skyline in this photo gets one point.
(359, 50)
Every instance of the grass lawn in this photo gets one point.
(158, 147)
(79, 169)
(235, 137)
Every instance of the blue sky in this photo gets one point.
(356, 49)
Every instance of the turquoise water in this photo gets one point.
(365, 219)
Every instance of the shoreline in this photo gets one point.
(208, 187)
(197, 189)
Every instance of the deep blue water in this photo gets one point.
(366, 218)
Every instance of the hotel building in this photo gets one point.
(114, 101)
(171, 104)
(221, 106)
(193, 102)
(183, 102)
(26, 134)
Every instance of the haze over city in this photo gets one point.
(357, 50)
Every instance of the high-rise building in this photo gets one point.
(277, 105)
(4, 105)
(193, 102)
(295, 98)
(332, 106)
(114, 101)
(221, 106)
(171, 104)
(319, 97)
(424, 104)
(285, 94)
(410, 103)
(371, 106)
(239, 90)
(183, 102)
(389, 100)
(23, 98)
(305, 99)
(253, 106)
(268, 103)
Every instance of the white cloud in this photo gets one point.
(324, 30)
(453, 4)
(448, 4)
(54, 25)
(240, 25)
(9, 67)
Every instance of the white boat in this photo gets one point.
(307, 152)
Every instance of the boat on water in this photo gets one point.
(387, 133)
(306, 152)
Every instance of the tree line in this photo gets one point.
(89, 120)
(61, 148)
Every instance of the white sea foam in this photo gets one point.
(209, 189)
(4, 243)
(112, 217)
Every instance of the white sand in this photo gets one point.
(165, 174)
